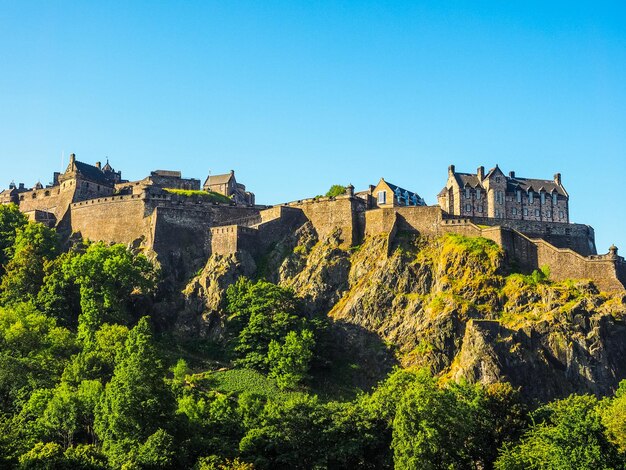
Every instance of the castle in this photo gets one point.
(182, 225)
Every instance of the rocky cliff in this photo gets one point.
(451, 304)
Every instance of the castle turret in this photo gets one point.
(350, 190)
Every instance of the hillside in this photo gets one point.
(405, 352)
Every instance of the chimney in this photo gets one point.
(511, 174)
(557, 178)
(21, 186)
(72, 161)
(232, 172)
(451, 170)
(55, 178)
(98, 165)
(480, 172)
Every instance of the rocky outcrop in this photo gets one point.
(449, 304)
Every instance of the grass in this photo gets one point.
(238, 381)
(206, 195)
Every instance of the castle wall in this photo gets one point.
(116, 219)
(277, 223)
(330, 214)
(607, 273)
(232, 238)
(578, 237)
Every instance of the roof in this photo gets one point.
(468, 179)
(513, 183)
(395, 188)
(219, 179)
(91, 172)
(526, 184)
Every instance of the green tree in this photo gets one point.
(336, 190)
(109, 278)
(59, 296)
(289, 436)
(289, 362)
(431, 428)
(137, 401)
(260, 313)
(614, 418)
(33, 353)
(11, 219)
(567, 434)
(35, 245)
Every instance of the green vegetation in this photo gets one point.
(204, 195)
(85, 382)
(336, 190)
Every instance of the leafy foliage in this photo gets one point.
(336, 190)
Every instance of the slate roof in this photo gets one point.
(513, 183)
(537, 185)
(91, 173)
(219, 179)
(468, 178)
(394, 188)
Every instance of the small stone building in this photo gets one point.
(228, 186)
(496, 195)
(389, 195)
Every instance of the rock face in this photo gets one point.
(450, 304)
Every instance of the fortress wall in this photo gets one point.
(530, 254)
(232, 238)
(278, 223)
(116, 219)
(379, 221)
(330, 214)
(578, 237)
(426, 220)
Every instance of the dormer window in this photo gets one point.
(478, 194)
(519, 195)
(543, 197)
(382, 197)
(555, 197)
(531, 197)
(468, 193)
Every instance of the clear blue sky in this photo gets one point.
(296, 96)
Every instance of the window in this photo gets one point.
(543, 197)
(499, 197)
(497, 179)
(480, 208)
(514, 211)
(478, 194)
(468, 208)
(561, 215)
(525, 211)
(531, 197)
(382, 197)
(519, 196)
(537, 212)
(497, 213)
(468, 193)
(554, 198)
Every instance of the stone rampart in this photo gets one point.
(578, 237)
(344, 213)
(115, 219)
(606, 271)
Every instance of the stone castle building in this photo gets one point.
(527, 217)
(227, 185)
(496, 195)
